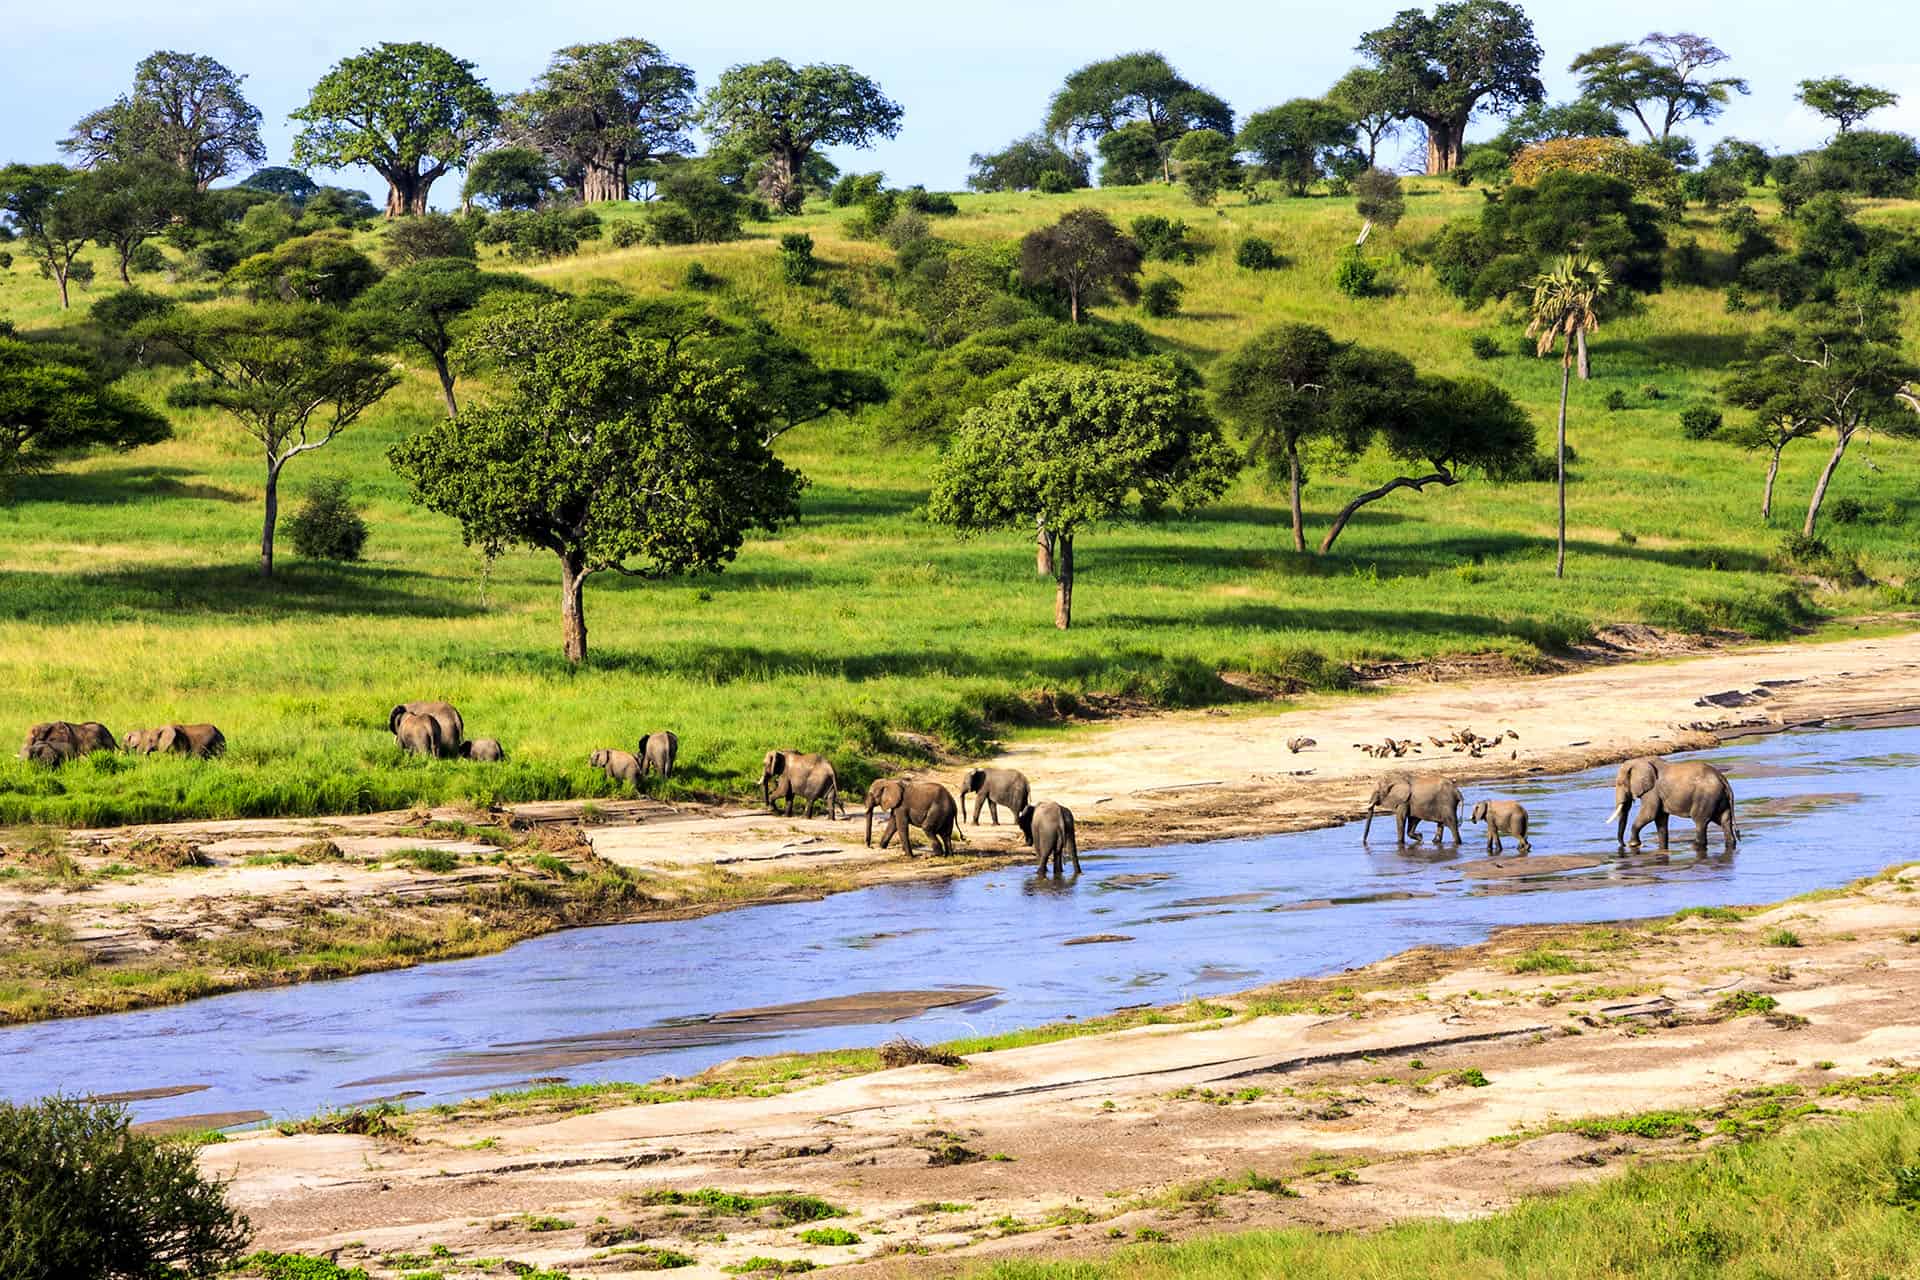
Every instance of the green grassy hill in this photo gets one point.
(127, 587)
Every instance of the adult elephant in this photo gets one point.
(452, 730)
(1413, 798)
(1667, 789)
(926, 805)
(992, 788)
(1048, 827)
(70, 739)
(790, 775)
(658, 751)
(419, 734)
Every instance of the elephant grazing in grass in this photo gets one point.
(1413, 798)
(790, 775)
(657, 752)
(620, 766)
(449, 729)
(68, 739)
(992, 788)
(419, 735)
(926, 805)
(1048, 827)
(484, 750)
(200, 741)
(1668, 789)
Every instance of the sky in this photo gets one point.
(972, 76)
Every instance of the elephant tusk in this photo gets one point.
(1619, 811)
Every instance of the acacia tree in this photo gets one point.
(45, 205)
(1141, 89)
(55, 401)
(1661, 78)
(1367, 97)
(784, 113)
(421, 306)
(599, 112)
(185, 109)
(287, 373)
(409, 112)
(1843, 101)
(1463, 58)
(1070, 448)
(1778, 420)
(508, 178)
(123, 205)
(1295, 140)
(1565, 309)
(1083, 256)
(612, 451)
(1025, 164)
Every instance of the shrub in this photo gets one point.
(696, 208)
(550, 233)
(698, 277)
(327, 526)
(147, 258)
(423, 236)
(1646, 171)
(1485, 346)
(1354, 276)
(1687, 264)
(1699, 421)
(839, 295)
(1616, 400)
(1847, 510)
(797, 263)
(119, 312)
(1160, 296)
(1256, 254)
(1052, 182)
(937, 204)
(6, 260)
(1377, 197)
(854, 188)
(82, 1196)
(625, 235)
(1163, 239)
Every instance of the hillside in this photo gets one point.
(128, 595)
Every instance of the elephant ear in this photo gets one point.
(167, 737)
(1643, 774)
(776, 763)
(393, 719)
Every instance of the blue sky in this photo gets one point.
(971, 75)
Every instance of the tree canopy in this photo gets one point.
(1296, 140)
(185, 109)
(56, 401)
(410, 112)
(421, 305)
(776, 110)
(599, 112)
(1663, 81)
(1462, 58)
(615, 452)
(1140, 88)
(1025, 163)
(1071, 448)
(1843, 101)
(1084, 257)
(122, 205)
(46, 205)
(1366, 96)
(508, 178)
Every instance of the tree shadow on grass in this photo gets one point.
(114, 486)
(1696, 350)
(229, 591)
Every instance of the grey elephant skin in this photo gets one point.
(799, 775)
(419, 735)
(198, 740)
(1048, 827)
(485, 750)
(991, 788)
(926, 805)
(621, 766)
(1666, 789)
(1414, 798)
(1503, 818)
(451, 729)
(657, 752)
(69, 739)
(48, 754)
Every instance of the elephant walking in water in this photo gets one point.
(1413, 798)
(1667, 789)
(1048, 827)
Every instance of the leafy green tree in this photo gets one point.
(1071, 448)
(1141, 88)
(1663, 81)
(287, 373)
(1377, 197)
(1023, 164)
(290, 184)
(695, 207)
(1461, 59)
(322, 267)
(1747, 161)
(56, 401)
(83, 1197)
(1130, 156)
(124, 205)
(1834, 367)
(1206, 163)
(601, 113)
(185, 109)
(784, 113)
(409, 112)
(1843, 101)
(429, 235)
(614, 452)
(47, 207)
(1567, 302)
(1296, 140)
(1367, 97)
(508, 178)
(1084, 257)
(421, 306)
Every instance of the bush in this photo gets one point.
(854, 188)
(426, 235)
(1641, 168)
(82, 1196)
(1700, 421)
(797, 263)
(1377, 198)
(119, 312)
(551, 233)
(1163, 239)
(1846, 510)
(698, 277)
(327, 526)
(696, 208)
(625, 235)
(1354, 276)
(1687, 264)
(1256, 254)
(936, 204)
(6, 260)
(1052, 182)
(1616, 400)
(1485, 346)
(1160, 296)
(147, 258)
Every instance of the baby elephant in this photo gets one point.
(197, 740)
(1048, 827)
(420, 735)
(992, 788)
(657, 752)
(485, 750)
(621, 766)
(1503, 818)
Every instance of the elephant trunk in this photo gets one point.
(1368, 829)
(766, 792)
(869, 824)
(1619, 815)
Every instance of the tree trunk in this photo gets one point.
(445, 370)
(1826, 478)
(1073, 302)
(407, 192)
(1374, 495)
(1766, 494)
(60, 276)
(1443, 145)
(573, 609)
(122, 259)
(1063, 576)
(604, 180)
(1566, 385)
(1293, 496)
(1042, 548)
(272, 514)
(1586, 363)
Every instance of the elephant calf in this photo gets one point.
(1503, 818)
(1413, 798)
(792, 775)
(1048, 827)
(621, 766)
(198, 740)
(926, 805)
(485, 750)
(420, 735)
(657, 752)
(993, 788)
(449, 730)
(70, 740)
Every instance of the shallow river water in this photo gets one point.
(633, 1002)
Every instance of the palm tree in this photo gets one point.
(1566, 308)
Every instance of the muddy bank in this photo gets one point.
(156, 914)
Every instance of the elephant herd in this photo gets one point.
(55, 742)
(1666, 789)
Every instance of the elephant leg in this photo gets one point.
(1526, 846)
(1640, 821)
(993, 811)
(1400, 826)
(1660, 821)
(1493, 840)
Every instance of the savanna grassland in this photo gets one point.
(128, 588)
